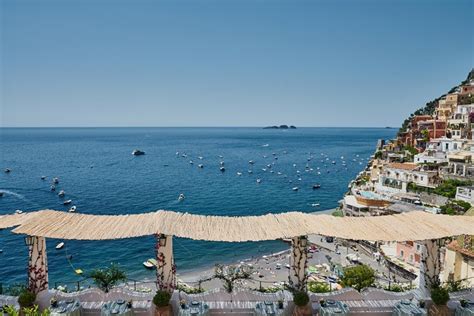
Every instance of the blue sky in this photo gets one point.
(227, 62)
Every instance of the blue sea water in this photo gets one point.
(96, 169)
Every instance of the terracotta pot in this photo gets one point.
(163, 311)
(302, 310)
(438, 310)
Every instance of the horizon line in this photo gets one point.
(202, 126)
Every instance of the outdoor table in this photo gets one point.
(66, 308)
(116, 308)
(465, 311)
(268, 308)
(194, 309)
(407, 308)
(333, 308)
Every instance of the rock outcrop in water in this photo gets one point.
(280, 127)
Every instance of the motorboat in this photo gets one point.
(239, 173)
(251, 162)
(148, 265)
(43, 177)
(53, 187)
(61, 193)
(222, 169)
(60, 245)
(200, 158)
(55, 180)
(222, 163)
(191, 162)
(264, 169)
(72, 209)
(259, 180)
(315, 204)
(200, 166)
(295, 189)
(316, 186)
(220, 156)
(250, 171)
(67, 202)
(138, 152)
(181, 197)
(18, 212)
(7, 170)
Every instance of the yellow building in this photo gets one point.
(459, 259)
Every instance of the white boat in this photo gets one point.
(138, 152)
(315, 204)
(61, 193)
(251, 162)
(200, 158)
(263, 169)
(295, 189)
(220, 156)
(53, 187)
(72, 209)
(43, 177)
(250, 171)
(181, 197)
(55, 180)
(67, 202)
(265, 145)
(7, 170)
(259, 180)
(200, 165)
(222, 169)
(148, 265)
(239, 173)
(18, 212)
(191, 162)
(60, 245)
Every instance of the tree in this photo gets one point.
(358, 277)
(231, 274)
(107, 278)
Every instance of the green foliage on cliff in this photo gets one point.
(448, 187)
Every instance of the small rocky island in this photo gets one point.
(280, 127)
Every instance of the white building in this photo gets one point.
(431, 156)
(465, 194)
(446, 145)
(396, 177)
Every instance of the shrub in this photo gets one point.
(26, 298)
(107, 278)
(300, 298)
(162, 298)
(358, 277)
(319, 287)
(440, 295)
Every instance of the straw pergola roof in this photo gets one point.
(402, 227)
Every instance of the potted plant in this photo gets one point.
(421, 303)
(280, 304)
(301, 300)
(322, 302)
(440, 297)
(26, 299)
(162, 303)
(464, 303)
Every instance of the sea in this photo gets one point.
(98, 172)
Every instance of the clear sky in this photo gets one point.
(228, 62)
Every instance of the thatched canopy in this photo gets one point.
(402, 227)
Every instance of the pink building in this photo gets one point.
(410, 252)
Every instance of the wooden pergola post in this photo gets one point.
(165, 269)
(298, 262)
(430, 266)
(37, 264)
